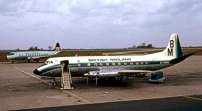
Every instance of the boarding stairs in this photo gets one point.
(66, 79)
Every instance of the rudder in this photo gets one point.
(174, 48)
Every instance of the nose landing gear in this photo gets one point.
(54, 82)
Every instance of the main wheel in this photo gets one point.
(31, 60)
(101, 79)
(142, 75)
(120, 78)
(112, 79)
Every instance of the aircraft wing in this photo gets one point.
(38, 57)
(113, 73)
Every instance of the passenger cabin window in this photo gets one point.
(101, 64)
(113, 64)
(131, 64)
(119, 63)
(95, 64)
(88, 64)
(125, 63)
(142, 63)
(146, 63)
(79, 65)
(137, 63)
(107, 64)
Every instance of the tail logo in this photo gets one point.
(170, 50)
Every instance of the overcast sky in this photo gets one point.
(98, 23)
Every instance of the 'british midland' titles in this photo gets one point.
(111, 59)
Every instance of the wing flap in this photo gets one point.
(133, 71)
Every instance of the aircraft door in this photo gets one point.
(65, 66)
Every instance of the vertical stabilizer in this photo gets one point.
(174, 48)
(57, 47)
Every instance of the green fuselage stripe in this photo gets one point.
(84, 65)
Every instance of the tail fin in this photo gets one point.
(174, 48)
(57, 47)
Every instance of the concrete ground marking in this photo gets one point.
(82, 99)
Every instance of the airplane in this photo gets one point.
(116, 66)
(32, 55)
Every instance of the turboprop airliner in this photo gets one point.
(32, 55)
(115, 66)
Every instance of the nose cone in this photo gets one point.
(36, 72)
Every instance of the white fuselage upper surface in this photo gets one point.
(98, 59)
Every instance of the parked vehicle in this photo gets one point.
(157, 77)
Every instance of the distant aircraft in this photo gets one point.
(115, 66)
(32, 55)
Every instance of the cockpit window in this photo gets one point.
(49, 62)
(11, 53)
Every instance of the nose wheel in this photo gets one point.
(54, 83)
